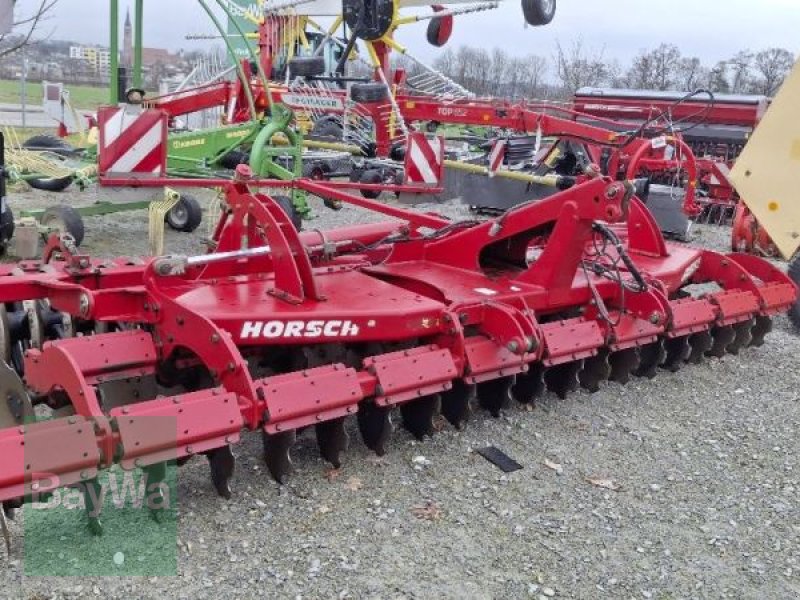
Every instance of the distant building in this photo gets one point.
(127, 42)
(98, 58)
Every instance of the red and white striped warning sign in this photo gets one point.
(424, 158)
(132, 140)
(496, 156)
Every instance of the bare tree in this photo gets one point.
(740, 71)
(718, 78)
(499, 71)
(773, 65)
(26, 26)
(691, 74)
(575, 68)
(655, 69)
(533, 71)
(445, 63)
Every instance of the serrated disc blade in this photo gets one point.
(563, 379)
(332, 440)
(495, 395)
(375, 425)
(418, 415)
(277, 448)
(623, 364)
(456, 403)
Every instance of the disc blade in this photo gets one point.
(623, 364)
(15, 404)
(495, 395)
(332, 440)
(277, 447)
(418, 415)
(651, 356)
(375, 425)
(701, 343)
(563, 379)
(456, 403)
(762, 327)
(678, 351)
(595, 370)
(530, 385)
(742, 336)
(6, 531)
(721, 338)
(222, 464)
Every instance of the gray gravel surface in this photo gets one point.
(703, 466)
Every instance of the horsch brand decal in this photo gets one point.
(298, 329)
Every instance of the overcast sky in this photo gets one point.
(710, 29)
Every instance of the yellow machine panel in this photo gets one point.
(767, 174)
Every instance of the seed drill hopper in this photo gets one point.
(137, 363)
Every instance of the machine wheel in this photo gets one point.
(538, 12)
(6, 228)
(233, 159)
(371, 176)
(315, 170)
(328, 128)
(398, 152)
(366, 93)
(285, 202)
(47, 142)
(794, 275)
(66, 219)
(307, 66)
(439, 31)
(50, 184)
(186, 215)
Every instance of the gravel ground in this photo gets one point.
(700, 498)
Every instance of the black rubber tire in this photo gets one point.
(538, 12)
(371, 176)
(46, 142)
(233, 159)
(307, 66)
(6, 227)
(315, 170)
(285, 202)
(432, 126)
(432, 32)
(186, 215)
(49, 184)
(327, 128)
(65, 219)
(794, 275)
(398, 152)
(367, 93)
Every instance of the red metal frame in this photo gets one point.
(470, 301)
